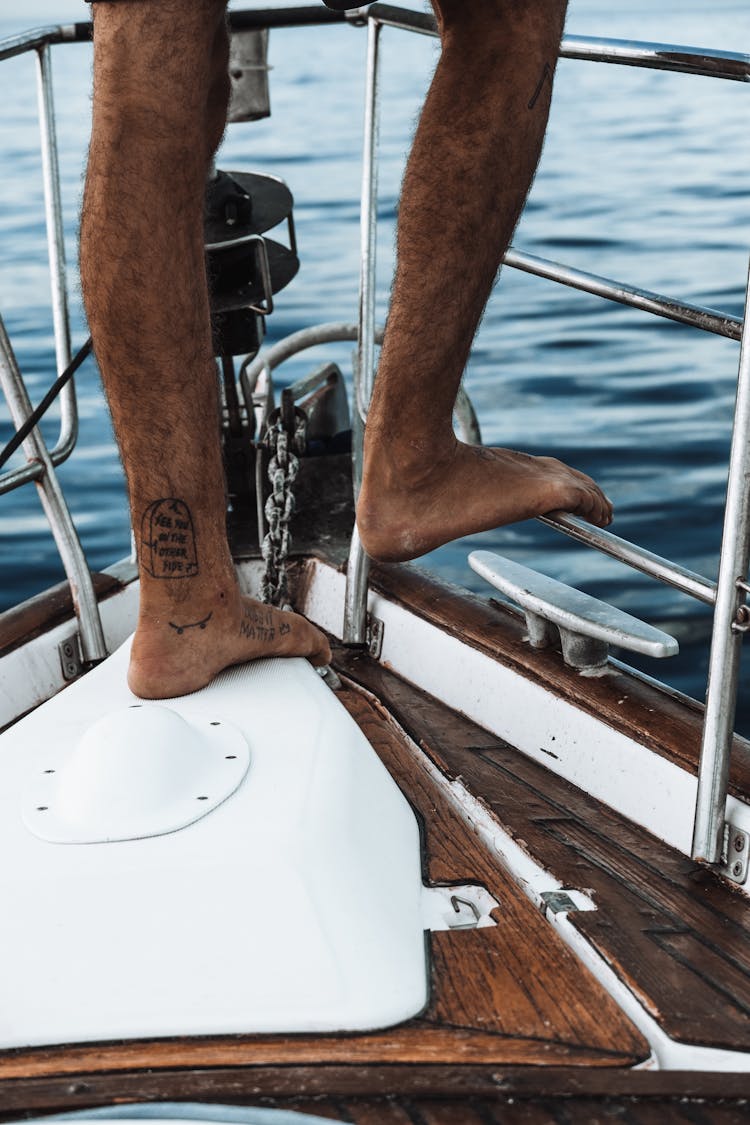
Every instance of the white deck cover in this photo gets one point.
(293, 905)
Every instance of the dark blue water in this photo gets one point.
(644, 177)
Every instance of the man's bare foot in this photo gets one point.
(180, 649)
(403, 514)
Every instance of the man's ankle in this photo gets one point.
(393, 463)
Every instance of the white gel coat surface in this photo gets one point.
(293, 905)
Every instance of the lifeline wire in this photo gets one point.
(45, 404)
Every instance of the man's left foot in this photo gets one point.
(405, 510)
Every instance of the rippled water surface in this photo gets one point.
(644, 177)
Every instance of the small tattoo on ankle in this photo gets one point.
(168, 540)
(546, 77)
(180, 629)
(284, 628)
(261, 633)
(258, 615)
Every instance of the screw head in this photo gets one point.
(739, 843)
(737, 870)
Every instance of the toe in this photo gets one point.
(308, 641)
(320, 654)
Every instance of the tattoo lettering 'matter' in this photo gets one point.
(546, 77)
(168, 540)
(257, 624)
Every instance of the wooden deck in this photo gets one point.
(676, 936)
(517, 1030)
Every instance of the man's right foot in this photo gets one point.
(179, 648)
(405, 511)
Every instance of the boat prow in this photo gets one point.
(233, 860)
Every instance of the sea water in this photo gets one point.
(644, 178)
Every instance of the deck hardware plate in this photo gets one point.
(467, 915)
(587, 626)
(70, 657)
(741, 623)
(374, 636)
(735, 866)
(329, 677)
(557, 902)
(467, 907)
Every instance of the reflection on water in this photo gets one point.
(644, 177)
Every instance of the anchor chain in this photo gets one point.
(285, 439)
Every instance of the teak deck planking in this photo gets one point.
(479, 1054)
(676, 935)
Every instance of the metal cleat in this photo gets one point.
(587, 626)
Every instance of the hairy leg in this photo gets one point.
(473, 160)
(160, 94)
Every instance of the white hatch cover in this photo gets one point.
(288, 900)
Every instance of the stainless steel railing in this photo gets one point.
(41, 462)
(727, 595)
(39, 41)
(58, 514)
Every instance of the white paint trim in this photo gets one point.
(627, 776)
(32, 673)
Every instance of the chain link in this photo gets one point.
(279, 508)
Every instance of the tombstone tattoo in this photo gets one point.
(168, 540)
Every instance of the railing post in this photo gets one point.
(721, 694)
(56, 250)
(355, 606)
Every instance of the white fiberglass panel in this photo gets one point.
(293, 905)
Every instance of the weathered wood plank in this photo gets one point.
(676, 935)
(517, 978)
(42, 612)
(420, 1041)
(409, 1084)
(413, 1096)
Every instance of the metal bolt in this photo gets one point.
(737, 870)
(739, 843)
